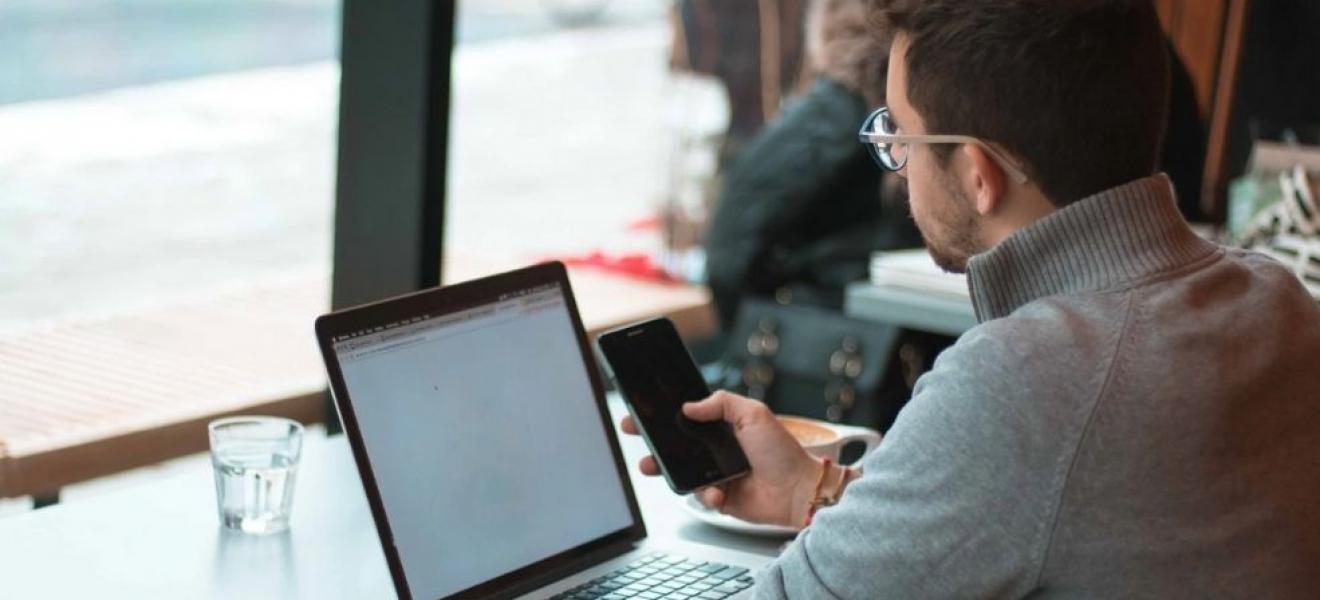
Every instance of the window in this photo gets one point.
(153, 151)
(166, 194)
(564, 140)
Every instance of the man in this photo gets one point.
(1137, 413)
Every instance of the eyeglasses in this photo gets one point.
(889, 148)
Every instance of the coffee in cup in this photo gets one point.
(826, 440)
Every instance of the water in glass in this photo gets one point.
(255, 490)
(256, 466)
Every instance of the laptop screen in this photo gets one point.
(485, 438)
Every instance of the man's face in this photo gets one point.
(944, 213)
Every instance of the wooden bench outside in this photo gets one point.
(97, 396)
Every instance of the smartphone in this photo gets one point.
(656, 375)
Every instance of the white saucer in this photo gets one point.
(694, 507)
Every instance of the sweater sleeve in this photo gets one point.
(959, 499)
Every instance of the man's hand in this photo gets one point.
(783, 476)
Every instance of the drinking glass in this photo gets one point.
(256, 464)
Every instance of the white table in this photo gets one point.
(162, 540)
(912, 308)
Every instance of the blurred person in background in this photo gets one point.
(801, 207)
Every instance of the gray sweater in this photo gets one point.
(1137, 415)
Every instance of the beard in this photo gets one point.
(953, 233)
(948, 259)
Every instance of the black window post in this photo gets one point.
(393, 147)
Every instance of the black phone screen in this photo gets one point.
(656, 376)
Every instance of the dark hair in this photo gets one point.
(1075, 88)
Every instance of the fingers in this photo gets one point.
(732, 408)
(712, 497)
(647, 465)
(715, 407)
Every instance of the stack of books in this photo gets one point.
(915, 269)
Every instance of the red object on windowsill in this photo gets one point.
(639, 266)
(653, 223)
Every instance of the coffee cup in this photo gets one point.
(823, 439)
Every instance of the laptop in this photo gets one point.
(480, 429)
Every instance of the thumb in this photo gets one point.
(715, 407)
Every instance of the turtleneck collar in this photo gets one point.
(1104, 241)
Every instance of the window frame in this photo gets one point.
(392, 155)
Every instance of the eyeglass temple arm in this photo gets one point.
(1008, 165)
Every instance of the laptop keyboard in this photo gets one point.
(665, 577)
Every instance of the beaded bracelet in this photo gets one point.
(816, 499)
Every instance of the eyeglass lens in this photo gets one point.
(892, 156)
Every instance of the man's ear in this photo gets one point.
(988, 180)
